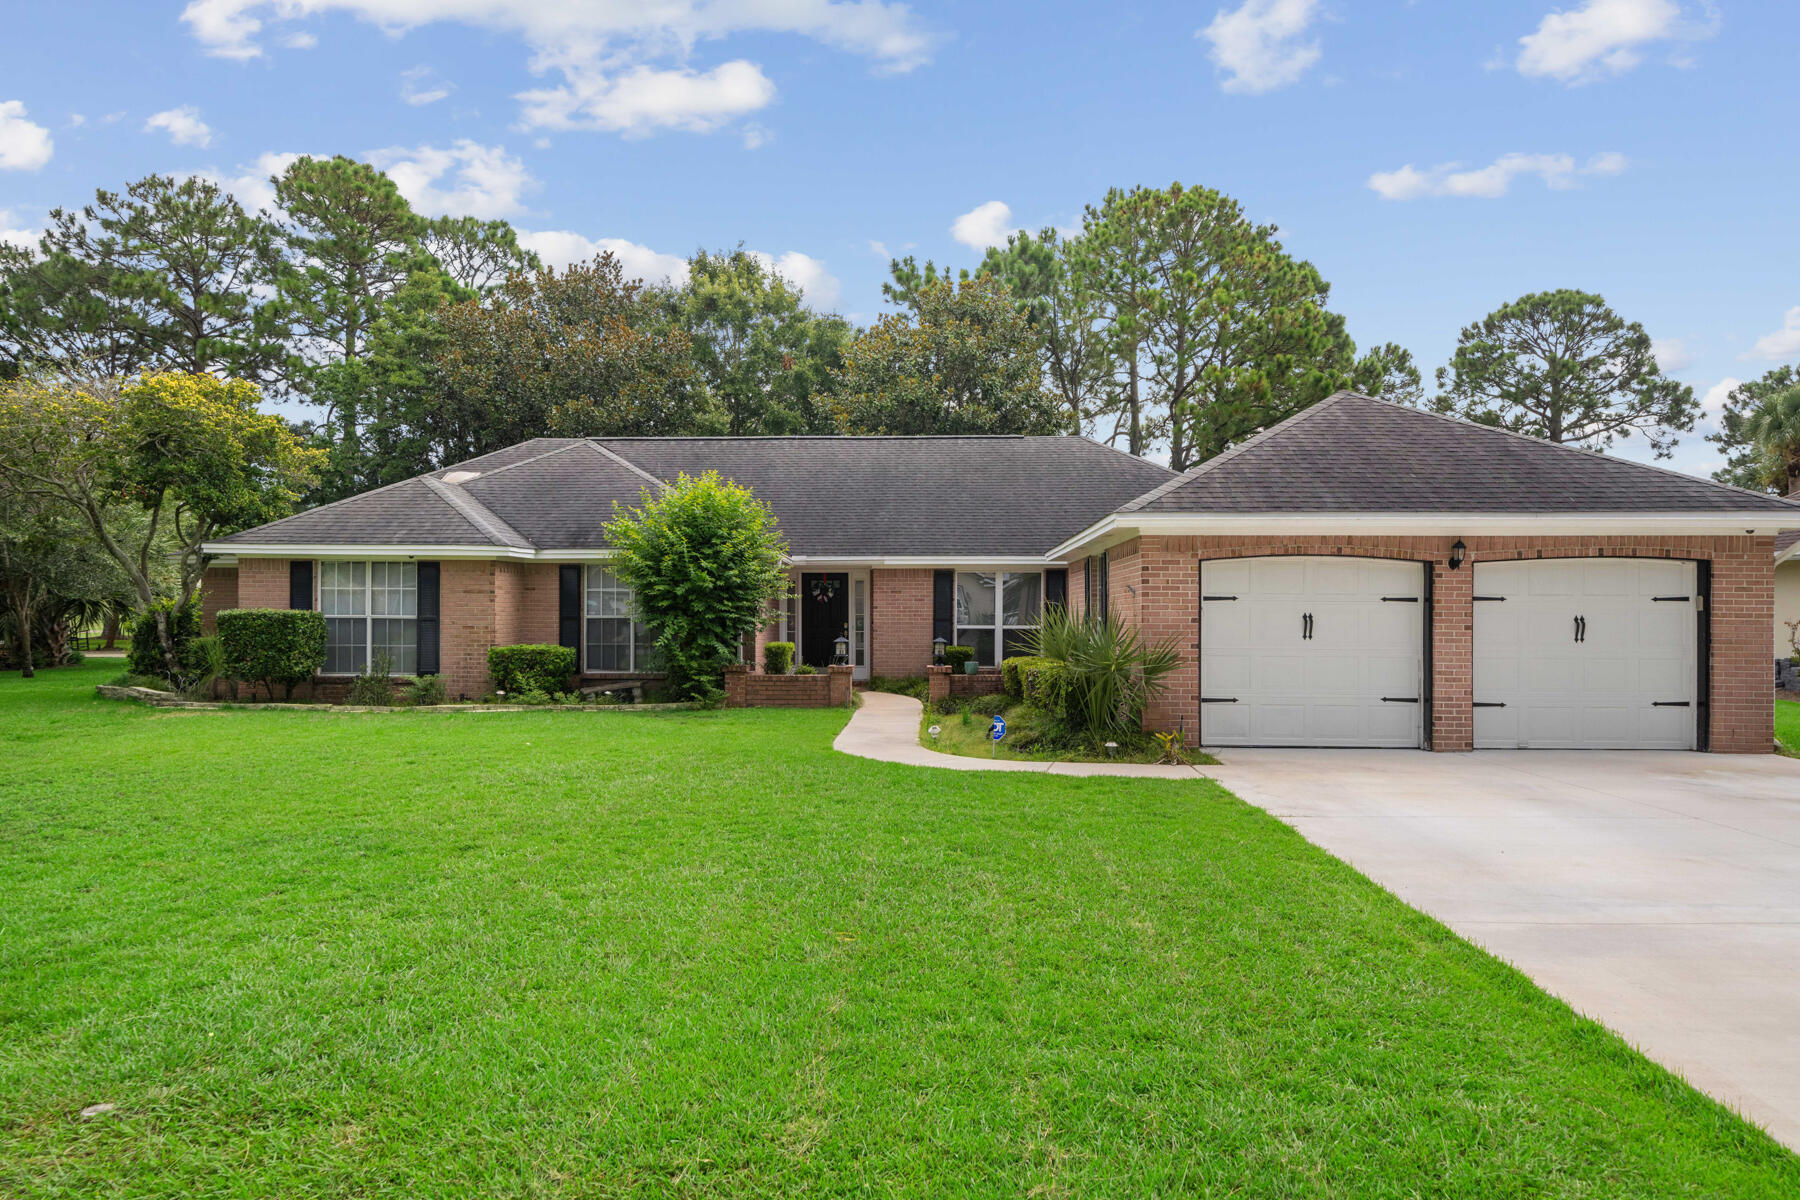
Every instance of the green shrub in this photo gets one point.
(778, 657)
(1044, 684)
(806, 669)
(956, 656)
(535, 697)
(145, 657)
(989, 706)
(1010, 677)
(531, 668)
(1109, 672)
(272, 646)
(916, 686)
(425, 691)
(375, 686)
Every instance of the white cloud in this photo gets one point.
(623, 63)
(1259, 44)
(560, 248)
(77, 120)
(1558, 171)
(1605, 37)
(819, 286)
(418, 86)
(183, 125)
(1713, 402)
(878, 249)
(299, 41)
(1671, 354)
(465, 179)
(253, 185)
(984, 225)
(647, 100)
(1783, 343)
(12, 235)
(24, 145)
(755, 136)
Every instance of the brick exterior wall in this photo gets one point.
(218, 591)
(262, 583)
(1156, 581)
(899, 621)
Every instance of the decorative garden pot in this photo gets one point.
(970, 667)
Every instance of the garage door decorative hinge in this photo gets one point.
(1218, 700)
(1669, 704)
(1205, 599)
(1493, 598)
(1490, 704)
(1399, 599)
(1399, 699)
(1670, 599)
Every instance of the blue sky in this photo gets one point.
(1432, 158)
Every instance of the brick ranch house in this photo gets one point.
(1363, 574)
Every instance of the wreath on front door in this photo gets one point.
(824, 590)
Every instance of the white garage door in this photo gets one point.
(1306, 651)
(1585, 654)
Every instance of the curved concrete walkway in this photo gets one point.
(886, 727)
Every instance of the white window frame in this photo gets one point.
(999, 627)
(588, 576)
(368, 616)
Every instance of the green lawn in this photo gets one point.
(1787, 725)
(699, 954)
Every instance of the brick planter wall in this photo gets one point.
(745, 688)
(943, 684)
(1156, 582)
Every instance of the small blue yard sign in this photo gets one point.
(998, 729)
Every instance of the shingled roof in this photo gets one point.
(1351, 453)
(874, 497)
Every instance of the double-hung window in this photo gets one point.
(369, 608)
(615, 642)
(998, 612)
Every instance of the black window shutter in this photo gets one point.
(300, 584)
(1056, 587)
(428, 618)
(1105, 587)
(943, 605)
(568, 607)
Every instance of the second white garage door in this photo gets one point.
(1311, 651)
(1577, 653)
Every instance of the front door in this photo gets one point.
(824, 615)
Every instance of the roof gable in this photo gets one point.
(1351, 453)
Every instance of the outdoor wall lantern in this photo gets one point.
(842, 645)
(937, 651)
(1458, 552)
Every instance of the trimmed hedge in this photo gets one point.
(1011, 677)
(778, 657)
(528, 668)
(956, 656)
(145, 657)
(1045, 685)
(273, 645)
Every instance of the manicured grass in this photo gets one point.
(1787, 725)
(700, 954)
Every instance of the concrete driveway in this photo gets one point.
(1658, 893)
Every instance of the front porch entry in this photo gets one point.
(829, 605)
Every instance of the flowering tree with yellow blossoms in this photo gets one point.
(191, 451)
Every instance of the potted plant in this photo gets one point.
(961, 658)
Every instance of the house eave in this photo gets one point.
(1119, 527)
(242, 550)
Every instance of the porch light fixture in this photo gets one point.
(842, 646)
(937, 651)
(1458, 553)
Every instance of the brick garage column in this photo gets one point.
(899, 621)
(1453, 655)
(1742, 703)
(1156, 585)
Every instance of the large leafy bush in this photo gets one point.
(704, 560)
(149, 655)
(272, 645)
(1108, 672)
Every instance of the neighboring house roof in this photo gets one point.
(1351, 453)
(1787, 545)
(835, 497)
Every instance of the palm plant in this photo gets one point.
(1113, 673)
(1773, 427)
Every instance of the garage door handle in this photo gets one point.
(1218, 699)
(1581, 629)
(1399, 699)
(1306, 627)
